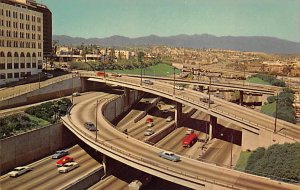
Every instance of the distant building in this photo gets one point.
(24, 38)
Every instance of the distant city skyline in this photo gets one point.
(136, 18)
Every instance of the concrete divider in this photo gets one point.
(87, 180)
(31, 146)
(161, 134)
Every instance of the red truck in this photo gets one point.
(101, 74)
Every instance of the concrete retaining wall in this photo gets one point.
(52, 91)
(116, 108)
(31, 146)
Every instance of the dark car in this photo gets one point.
(206, 100)
(148, 82)
(90, 126)
(59, 154)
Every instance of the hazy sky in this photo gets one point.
(134, 18)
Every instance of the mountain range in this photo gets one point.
(240, 43)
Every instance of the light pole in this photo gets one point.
(244, 74)
(72, 88)
(231, 146)
(209, 92)
(97, 120)
(174, 82)
(276, 107)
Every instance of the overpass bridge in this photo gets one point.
(253, 123)
(188, 172)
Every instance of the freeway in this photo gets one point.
(246, 118)
(145, 157)
(46, 176)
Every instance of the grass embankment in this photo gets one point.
(257, 80)
(243, 160)
(269, 109)
(279, 161)
(154, 70)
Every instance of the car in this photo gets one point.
(116, 75)
(19, 171)
(151, 124)
(169, 118)
(206, 100)
(60, 153)
(148, 82)
(64, 160)
(48, 75)
(76, 94)
(149, 120)
(90, 126)
(165, 111)
(149, 132)
(189, 131)
(179, 87)
(68, 167)
(169, 156)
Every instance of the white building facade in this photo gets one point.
(21, 42)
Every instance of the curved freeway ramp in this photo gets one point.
(188, 172)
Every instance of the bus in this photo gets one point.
(189, 140)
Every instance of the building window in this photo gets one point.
(16, 65)
(28, 73)
(22, 65)
(2, 76)
(16, 75)
(28, 65)
(9, 75)
(33, 65)
(22, 74)
(2, 66)
(38, 19)
(9, 65)
(40, 66)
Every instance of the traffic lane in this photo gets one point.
(46, 171)
(120, 179)
(150, 153)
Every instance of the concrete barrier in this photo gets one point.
(87, 180)
(31, 146)
(161, 134)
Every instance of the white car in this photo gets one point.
(151, 124)
(68, 167)
(76, 94)
(19, 171)
(169, 118)
(149, 132)
(189, 131)
(179, 87)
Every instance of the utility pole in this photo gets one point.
(72, 88)
(231, 150)
(209, 92)
(276, 107)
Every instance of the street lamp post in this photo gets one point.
(174, 82)
(231, 147)
(276, 108)
(97, 120)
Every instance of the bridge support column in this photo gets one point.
(178, 114)
(127, 96)
(212, 126)
(104, 166)
(241, 97)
